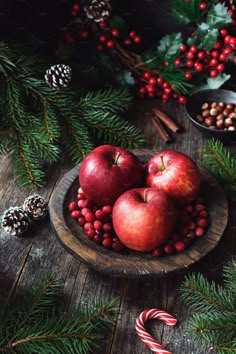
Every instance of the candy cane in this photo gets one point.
(147, 338)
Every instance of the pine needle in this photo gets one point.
(40, 326)
(221, 163)
(213, 321)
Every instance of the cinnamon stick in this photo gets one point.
(161, 130)
(166, 120)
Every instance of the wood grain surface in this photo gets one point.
(130, 263)
(24, 260)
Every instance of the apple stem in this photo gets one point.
(145, 195)
(116, 158)
(162, 162)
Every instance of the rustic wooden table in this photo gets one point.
(23, 260)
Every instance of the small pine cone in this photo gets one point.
(98, 10)
(15, 221)
(58, 76)
(35, 206)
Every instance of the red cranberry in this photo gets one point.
(203, 213)
(107, 227)
(202, 222)
(107, 243)
(158, 252)
(117, 246)
(75, 214)
(81, 221)
(97, 224)
(97, 238)
(88, 225)
(81, 196)
(179, 246)
(100, 215)
(199, 231)
(89, 216)
(107, 209)
(199, 207)
(72, 206)
(169, 249)
(90, 233)
(107, 235)
(84, 211)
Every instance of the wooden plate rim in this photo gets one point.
(135, 264)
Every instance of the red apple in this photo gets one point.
(108, 171)
(176, 174)
(143, 218)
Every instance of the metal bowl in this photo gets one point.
(193, 107)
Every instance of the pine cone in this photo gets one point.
(35, 206)
(98, 10)
(58, 76)
(15, 221)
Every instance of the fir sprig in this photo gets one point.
(38, 325)
(34, 118)
(213, 322)
(221, 163)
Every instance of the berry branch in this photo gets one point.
(175, 68)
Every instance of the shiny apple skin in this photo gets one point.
(144, 218)
(103, 180)
(180, 178)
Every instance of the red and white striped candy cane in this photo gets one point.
(147, 338)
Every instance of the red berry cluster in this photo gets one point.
(157, 87)
(97, 222)
(193, 222)
(108, 35)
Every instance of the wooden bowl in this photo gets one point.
(131, 263)
(193, 107)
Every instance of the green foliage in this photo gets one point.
(221, 163)
(169, 46)
(34, 118)
(187, 12)
(213, 322)
(39, 326)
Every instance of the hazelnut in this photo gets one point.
(205, 106)
(220, 123)
(213, 112)
(209, 121)
(229, 106)
(213, 105)
(226, 112)
(231, 127)
(228, 122)
(220, 116)
(206, 113)
(199, 118)
(232, 115)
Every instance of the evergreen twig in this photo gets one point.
(221, 163)
(38, 325)
(213, 322)
(35, 118)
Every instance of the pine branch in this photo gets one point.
(197, 292)
(36, 117)
(230, 276)
(40, 327)
(213, 322)
(109, 100)
(219, 161)
(112, 129)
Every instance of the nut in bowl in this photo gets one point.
(213, 112)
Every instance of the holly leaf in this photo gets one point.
(125, 78)
(151, 59)
(212, 83)
(169, 46)
(207, 36)
(218, 17)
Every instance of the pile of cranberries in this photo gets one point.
(193, 222)
(96, 221)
